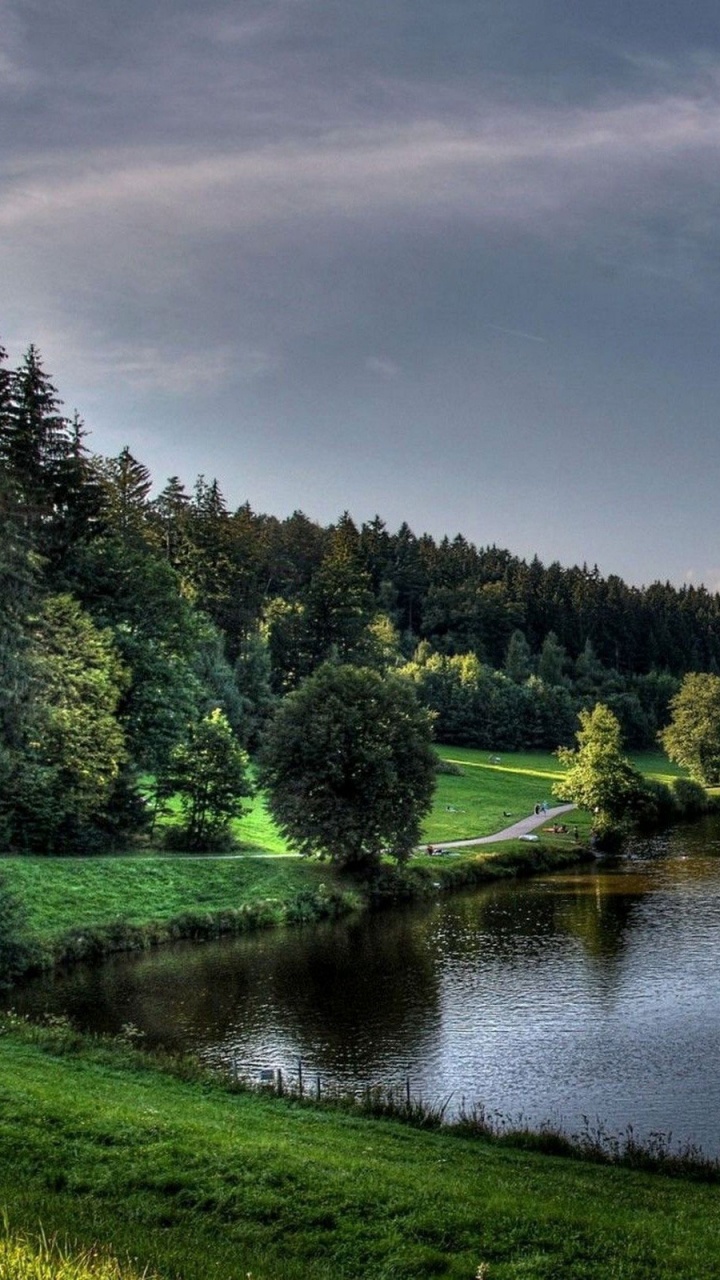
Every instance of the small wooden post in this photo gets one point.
(317, 1086)
(407, 1093)
(279, 1082)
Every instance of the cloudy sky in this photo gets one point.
(452, 261)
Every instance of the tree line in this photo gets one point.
(135, 626)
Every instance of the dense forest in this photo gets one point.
(129, 613)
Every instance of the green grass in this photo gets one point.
(254, 832)
(34, 1257)
(471, 805)
(195, 1182)
(75, 893)
(474, 803)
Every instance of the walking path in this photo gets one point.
(521, 828)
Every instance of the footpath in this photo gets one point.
(520, 828)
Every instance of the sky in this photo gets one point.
(454, 262)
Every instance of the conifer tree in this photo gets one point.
(126, 485)
(35, 439)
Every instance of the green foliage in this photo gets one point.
(691, 797)
(518, 659)
(552, 661)
(693, 736)
(252, 677)
(74, 747)
(599, 777)
(126, 483)
(348, 766)
(209, 771)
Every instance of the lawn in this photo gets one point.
(472, 804)
(193, 1182)
(491, 786)
(60, 894)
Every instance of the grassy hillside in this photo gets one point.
(76, 895)
(195, 1182)
(475, 803)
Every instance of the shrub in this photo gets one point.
(449, 767)
(691, 797)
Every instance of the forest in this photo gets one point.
(133, 612)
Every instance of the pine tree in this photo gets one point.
(126, 484)
(35, 439)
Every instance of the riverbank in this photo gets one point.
(193, 1179)
(81, 909)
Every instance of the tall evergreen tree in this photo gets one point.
(126, 485)
(35, 440)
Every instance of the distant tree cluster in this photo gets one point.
(131, 620)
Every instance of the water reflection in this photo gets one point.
(593, 992)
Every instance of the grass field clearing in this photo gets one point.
(195, 1182)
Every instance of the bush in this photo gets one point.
(655, 806)
(691, 798)
(449, 767)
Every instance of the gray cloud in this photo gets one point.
(341, 234)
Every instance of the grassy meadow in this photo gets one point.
(192, 1180)
(475, 803)
(70, 896)
(471, 804)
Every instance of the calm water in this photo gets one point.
(594, 992)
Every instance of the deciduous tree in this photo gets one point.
(692, 738)
(209, 771)
(348, 766)
(599, 777)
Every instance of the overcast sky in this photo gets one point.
(456, 262)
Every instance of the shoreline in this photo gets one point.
(331, 899)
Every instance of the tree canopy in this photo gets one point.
(599, 777)
(692, 738)
(348, 766)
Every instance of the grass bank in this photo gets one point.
(475, 802)
(192, 1180)
(84, 908)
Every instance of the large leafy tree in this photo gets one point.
(692, 738)
(348, 766)
(599, 777)
(209, 772)
(74, 747)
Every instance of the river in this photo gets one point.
(593, 992)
